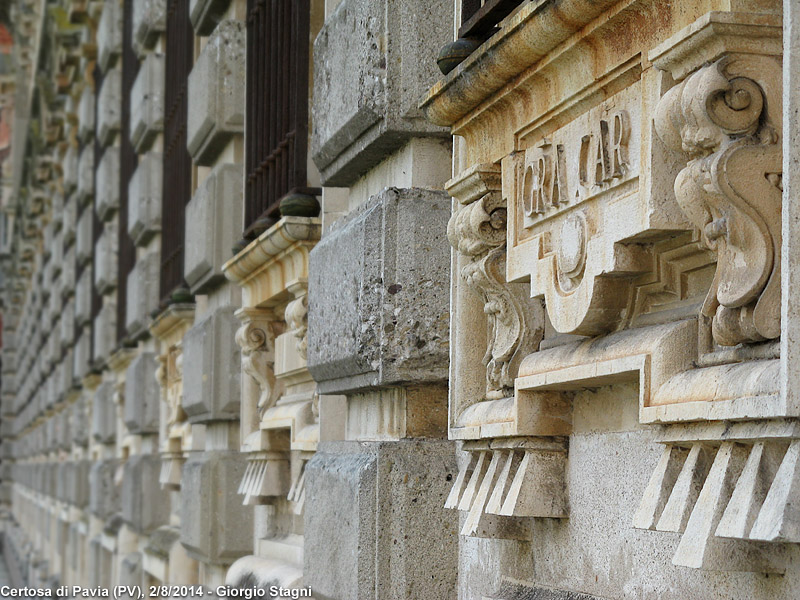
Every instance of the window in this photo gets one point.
(276, 137)
(128, 160)
(177, 180)
(480, 17)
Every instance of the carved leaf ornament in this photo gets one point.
(726, 117)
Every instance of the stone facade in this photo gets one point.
(299, 311)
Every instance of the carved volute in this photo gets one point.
(477, 230)
(727, 118)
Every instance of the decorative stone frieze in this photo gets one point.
(109, 35)
(213, 216)
(105, 258)
(210, 360)
(216, 92)
(149, 20)
(144, 193)
(376, 86)
(109, 106)
(206, 14)
(388, 259)
(147, 114)
(142, 292)
(142, 396)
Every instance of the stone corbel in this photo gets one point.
(726, 117)
(296, 316)
(256, 338)
(477, 230)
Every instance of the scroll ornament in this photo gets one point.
(296, 316)
(258, 360)
(727, 118)
(478, 231)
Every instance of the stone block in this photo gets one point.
(109, 107)
(216, 92)
(86, 114)
(78, 483)
(105, 331)
(206, 14)
(149, 20)
(83, 298)
(104, 499)
(104, 414)
(70, 219)
(378, 310)
(66, 374)
(66, 283)
(142, 292)
(85, 237)
(214, 219)
(145, 506)
(82, 353)
(142, 395)
(144, 199)
(373, 60)
(109, 35)
(85, 176)
(211, 372)
(375, 522)
(106, 199)
(147, 111)
(216, 527)
(105, 258)
(69, 166)
(130, 571)
(78, 421)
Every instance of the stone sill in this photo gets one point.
(273, 248)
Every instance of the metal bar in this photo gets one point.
(485, 19)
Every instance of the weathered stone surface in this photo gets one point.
(367, 64)
(375, 522)
(82, 353)
(217, 527)
(149, 20)
(104, 500)
(145, 506)
(83, 298)
(86, 175)
(84, 238)
(106, 200)
(105, 331)
(213, 221)
(109, 35)
(216, 92)
(142, 395)
(86, 115)
(206, 14)
(109, 107)
(104, 414)
(390, 261)
(105, 258)
(77, 483)
(144, 193)
(211, 377)
(142, 292)
(147, 112)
